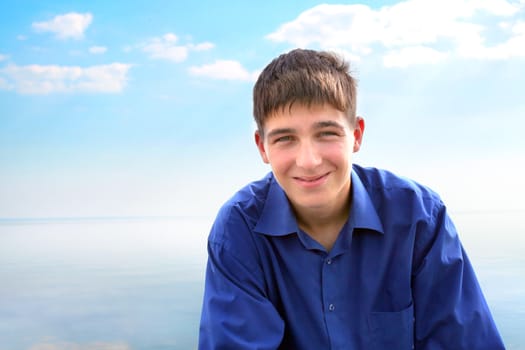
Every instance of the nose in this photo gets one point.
(308, 156)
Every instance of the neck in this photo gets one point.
(324, 224)
(314, 218)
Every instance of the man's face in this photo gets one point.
(310, 151)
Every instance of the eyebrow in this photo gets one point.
(328, 124)
(281, 131)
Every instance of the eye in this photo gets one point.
(282, 139)
(328, 133)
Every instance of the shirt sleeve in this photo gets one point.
(450, 309)
(236, 313)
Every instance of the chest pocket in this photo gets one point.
(393, 330)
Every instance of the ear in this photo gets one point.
(358, 133)
(259, 141)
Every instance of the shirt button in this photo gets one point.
(331, 307)
(329, 261)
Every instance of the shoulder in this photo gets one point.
(386, 188)
(241, 212)
(375, 179)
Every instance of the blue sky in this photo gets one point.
(128, 108)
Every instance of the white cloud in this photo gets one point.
(519, 28)
(40, 79)
(202, 46)
(224, 70)
(514, 46)
(21, 37)
(3, 57)
(97, 49)
(168, 48)
(408, 56)
(439, 25)
(70, 25)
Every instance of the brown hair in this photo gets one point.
(304, 76)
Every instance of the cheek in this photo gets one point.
(281, 159)
(340, 158)
(336, 152)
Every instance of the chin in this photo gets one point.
(312, 203)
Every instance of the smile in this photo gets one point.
(311, 181)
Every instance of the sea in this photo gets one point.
(137, 283)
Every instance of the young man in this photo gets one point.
(323, 254)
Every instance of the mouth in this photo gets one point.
(311, 181)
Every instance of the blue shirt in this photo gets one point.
(397, 276)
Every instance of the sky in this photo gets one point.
(143, 108)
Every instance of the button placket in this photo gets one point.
(331, 306)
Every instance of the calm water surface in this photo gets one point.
(137, 284)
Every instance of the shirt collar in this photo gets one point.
(363, 214)
(278, 219)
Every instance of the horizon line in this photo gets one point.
(36, 219)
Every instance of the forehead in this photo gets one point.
(300, 116)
